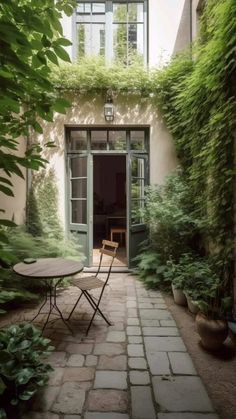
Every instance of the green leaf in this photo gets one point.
(61, 53)
(24, 376)
(5, 356)
(62, 41)
(52, 57)
(7, 223)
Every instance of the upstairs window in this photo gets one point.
(113, 29)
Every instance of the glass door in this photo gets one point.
(80, 202)
(138, 179)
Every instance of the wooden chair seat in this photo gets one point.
(88, 283)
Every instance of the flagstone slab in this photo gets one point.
(160, 331)
(137, 363)
(99, 415)
(107, 401)
(155, 314)
(78, 374)
(139, 378)
(135, 350)
(108, 349)
(75, 360)
(158, 363)
(165, 343)
(111, 379)
(181, 394)
(70, 399)
(116, 336)
(133, 321)
(133, 330)
(181, 363)
(116, 363)
(79, 348)
(167, 323)
(142, 404)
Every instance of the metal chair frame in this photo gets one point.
(91, 300)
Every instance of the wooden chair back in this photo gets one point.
(108, 248)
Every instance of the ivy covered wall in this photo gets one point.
(197, 98)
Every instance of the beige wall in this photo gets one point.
(128, 111)
(15, 206)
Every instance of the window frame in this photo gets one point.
(109, 51)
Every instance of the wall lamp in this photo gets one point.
(109, 109)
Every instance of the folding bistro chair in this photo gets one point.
(90, 283)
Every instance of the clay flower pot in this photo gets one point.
(179, 297)
(212, 332)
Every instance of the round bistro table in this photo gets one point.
(52, 271)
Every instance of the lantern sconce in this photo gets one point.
(109, 110)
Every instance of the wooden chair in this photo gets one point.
(90, 283)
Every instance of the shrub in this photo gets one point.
(22, 370)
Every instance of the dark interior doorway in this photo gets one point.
(109, 205)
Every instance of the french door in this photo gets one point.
(80, 195)
(83, 145)
(137, 180)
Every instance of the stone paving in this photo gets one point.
(137, 368)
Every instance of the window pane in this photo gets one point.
(137, 140)
(79, 212)
(84, 8)
(79, 188)
(119, 12)
(136, 206)
(137, 189)
(135, 42)
(78, 140)
(117, 140)
(98, 7)
(83, 34)
(99, 140)
(135, 12)
(79, 167)
(137, 168)
(120, 42)
(91, 39)
(98, 39)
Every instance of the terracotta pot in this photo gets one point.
(212, 332)
(192, 306)
(179, 297)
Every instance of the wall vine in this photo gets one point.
(199, 105)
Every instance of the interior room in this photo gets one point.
(109, 203)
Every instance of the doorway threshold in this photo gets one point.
(104, 269)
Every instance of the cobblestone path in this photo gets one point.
(138, 368)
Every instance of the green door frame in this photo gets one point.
(86, 230)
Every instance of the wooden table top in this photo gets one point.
(48, 268)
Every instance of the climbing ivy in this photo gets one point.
(197, 98)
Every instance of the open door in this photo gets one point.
(80, 202)
(138, 179)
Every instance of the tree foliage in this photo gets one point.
(30, 38)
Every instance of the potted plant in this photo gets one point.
(211, 320)
(175, 275)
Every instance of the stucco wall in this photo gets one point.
(15, 206)
(128, 111)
